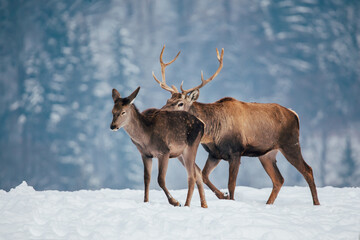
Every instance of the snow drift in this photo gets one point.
(121, 214)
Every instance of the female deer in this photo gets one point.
(163, 135)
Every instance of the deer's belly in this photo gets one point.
(228, 149)
(251, 151)
(222, 151)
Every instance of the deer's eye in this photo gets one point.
(180, 104)
(123, 113)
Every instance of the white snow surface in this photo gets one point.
(122, 214)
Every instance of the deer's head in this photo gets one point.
(121, 110)
(183, 101)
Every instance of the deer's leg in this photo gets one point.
(147, 176)
(199, 183)
(163, 165)
(268, 161)
(293, 154)
(210, 165)
(189, 155)
(234, 165)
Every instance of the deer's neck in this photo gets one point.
(136, 127)
(199, 111)
(206, 114)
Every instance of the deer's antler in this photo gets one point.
(204, 82)
(163, 65)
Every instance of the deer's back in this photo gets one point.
(249, 129)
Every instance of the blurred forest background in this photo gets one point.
(59, 61)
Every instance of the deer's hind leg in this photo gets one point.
(189, 155)
(163, 165)
(293, 154)
(199, 183)
(268, 161)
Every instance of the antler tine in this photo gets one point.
(163, 65)
(217, 53)
(166, 64)
(162, 85)
(173, 87)
(204, 82)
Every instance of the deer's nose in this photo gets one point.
(113, 127)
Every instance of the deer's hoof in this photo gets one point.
(174, 202)
(221, 195)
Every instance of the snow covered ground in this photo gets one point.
(121, 214)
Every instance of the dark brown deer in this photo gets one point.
(164, 135)
(234, 129)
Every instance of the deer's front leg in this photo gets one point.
(163, 165)
(210, 165)
(234, 165)
(147, 176)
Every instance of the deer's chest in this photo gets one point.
(156, 149)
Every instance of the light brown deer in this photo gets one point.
(164, 135)
(234, 128)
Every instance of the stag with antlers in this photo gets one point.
(235, 128)
(164, 135)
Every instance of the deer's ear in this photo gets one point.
(115, 94)
(132, 96)
(194, 95)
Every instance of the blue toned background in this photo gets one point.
(59, 61)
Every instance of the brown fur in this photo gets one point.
(235, 129)
(164, 135)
